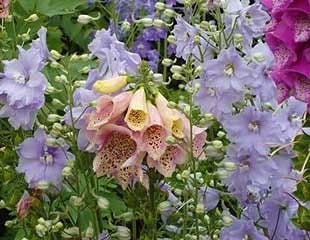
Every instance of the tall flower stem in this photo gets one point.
(152, 197)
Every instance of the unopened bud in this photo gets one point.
(53, 117)
(89, 233)
(58, 226)
(176, 69)
(123, 233)
(171, 39)
(2, 204)
(9, 223)
(160, 6)
(32, 18)
(103, 203)
(169, 13)
(85, 19)
(67, 171)
(42, 185)
(164, 206)
(178, 76)
(127, 216)
(221, 134)
(217, 144)
(76, 201)
(222, 174)
(57, 103)
(84, 57)
(259, 57)
(125, 26)
(229, 166)
(159, 23)
(167, 62)
(70, 233)
(205, 25)
(147, 22)
(85, 70)
(56, 55)
(238, 38)
(227, 220)
(40, 230)
(200, 208)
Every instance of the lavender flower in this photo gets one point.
(252, 130)
(210, 196)
(40, 44)
(228, 71)
(22, 85)
(113, 56)
(41, 161)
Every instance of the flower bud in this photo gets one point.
(227, 220)
(56, 55)
(158, 77)
(58, 226)
(84, 57)
(103, 203)
(185, 174)
(67, 171)
(178, 76)
(41, 230)
(123, 233)
(238, 38)
(84, 19)
(167, 62)
(78, 84)
(25, 37)
(76, 201)
(70, 233)
(160, 6)
(56, 65)
(217, 144)
(32, 18)
(9, 18)
(74, 58)
(159, 23)
(178, 191)
(197, 39)
(205, 25)
(57, 103)
(200, 208)
(147, 22)
(89, 233)
(85, 70)
(222, 174)
(221, 134)
(171, 39)
(125, 26)
(206, 218)
(198, 70)
(9, 223)
(41, 221)
(2, 204)
(53, 117)
(164, 206)
(171, 140)
(169, 13)
(111, 85)
(176, 69)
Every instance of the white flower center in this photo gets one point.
(19, 78)
(253, 126)
(47, 159)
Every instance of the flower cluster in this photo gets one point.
(126, 129)
(288, 36)
(4, 8)
(22, 84)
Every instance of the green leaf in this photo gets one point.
(52, 8)
(302, 220)
(117, 206)
(303, 191)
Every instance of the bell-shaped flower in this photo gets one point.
(171, 118)
(155, 134)
(137, 116)
(108, 109)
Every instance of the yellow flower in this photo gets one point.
(171, 118)
(137, 116)
(111, 85)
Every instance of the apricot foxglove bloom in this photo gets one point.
(4, 8)
(137, 116)
(40, 162)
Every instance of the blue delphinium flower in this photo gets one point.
(252, 130)
(227, 71)
(42, 161)
(22, 85)
(114, 57)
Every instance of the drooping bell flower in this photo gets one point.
(171, 118)
(154, 136)
(108, 109)
(118, 146)
(137, 116)
(111, 85)
(166, 164)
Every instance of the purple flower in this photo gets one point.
(113, 56)
(154, 33)
(41, 161)
(22, 86)
(185, 35)
(142, 47)
(252, 130)
(252, 174)
(219, 102)
(228, 71)
(290, 118)
(241, 229)
(210, 196)
(40, 44)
